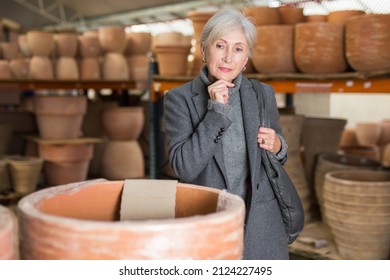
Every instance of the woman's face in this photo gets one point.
(227, 56)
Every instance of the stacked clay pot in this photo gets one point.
(41, 44)
(138, 46)
(18, 65)
(8, 244)
(122, 156)
(171, 53)
(319, 47)
(367, 39)
(66, 45)
(90, 52)
(84, 216)
(112, 40)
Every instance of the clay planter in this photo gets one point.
(66, 44)
(291, 15)
(60, 117)
(41, 68)
(115, 67)
(348, 137)
(66, 163)
(19, 68)
(123, 123)
(7, 234)
(10, 50)
(356, 206)
(368, 133)
(138, 67)
(319, 47)
(316, 18)
(123, 160)
(67, 69)
(263, 15)
(273, 52)
(172, 60)
(89, 46)
(23, 45)
(84, 217)
(199, 19)
(5, 70)
(112, 39)
(138, 43)
(343, 16)
(365, 50)
(328, 162)
(90, 69)
(40, 43)
(24, 173)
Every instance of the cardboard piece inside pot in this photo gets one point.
(148, 199)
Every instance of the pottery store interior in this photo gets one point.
(82, 140)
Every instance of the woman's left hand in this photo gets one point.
(268, 140)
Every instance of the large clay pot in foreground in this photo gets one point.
(7, 234)
(357, 209)
(81, 221)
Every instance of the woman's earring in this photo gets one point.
(204, 60)
(244, 68)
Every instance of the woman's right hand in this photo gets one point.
(219, 91)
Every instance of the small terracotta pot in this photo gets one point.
(25, 173)
(41, 68)
(138, 43)
(348, 137)
(40, 43)
(10, 50)
(19, 68)
(263, 15)
(138, 67)
(67, 68)
(23, 45)
(89, 46)
(123, 123)
(5, 70)
(90, 69)
(172, 60)
(316, 18)
(115, 67)
(80, 221)
(291, 15)
(66, 44)
(368, 133)
(112, 39)
(199, 19)
(7, 234)
(343, 16)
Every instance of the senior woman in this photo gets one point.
(213, 131)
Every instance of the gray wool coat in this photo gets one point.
(196, 156)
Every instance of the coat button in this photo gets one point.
(216, 140)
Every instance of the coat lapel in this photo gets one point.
(250, 111)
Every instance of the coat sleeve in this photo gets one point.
(273, 113)
(191, 138)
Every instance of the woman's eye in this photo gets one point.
(239, 49)
(219, 46)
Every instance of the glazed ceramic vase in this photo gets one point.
(85, 217)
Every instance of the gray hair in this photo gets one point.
(223, 22)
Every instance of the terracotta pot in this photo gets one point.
(263, 15)
(328, 162)
(67, 68)
(368, 151)
(291, 15)
(90, 69)
(4, 177)
(369, 190)
(41, 68)
(385, 132)
(40, 43)
(82, 215)
(115, 67)
(19, 68)
(365, 50)
(273, 52)
(138, 43)
(172, 60)
(166, 39)
(368, 133)
(59, 117)
(319, 47)
(24, 173)
(123, 160)
(10, 50)
(5, 70)
(89, 46)
(386, 156)
(66, 44)
(348, 137)
(138, 67)
(343, 16)
(112, 39)
(66, 163)
(199, 19)
(23, 45)
(123, 123)
(7, 234)
(316, 18)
